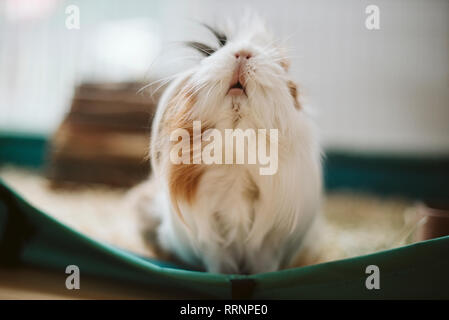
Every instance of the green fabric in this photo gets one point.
(416, 177)
(31, 237)
(22, 149)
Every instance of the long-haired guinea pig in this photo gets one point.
(209, 205)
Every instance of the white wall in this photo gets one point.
(384, 90)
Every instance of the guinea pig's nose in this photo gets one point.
(242, 54)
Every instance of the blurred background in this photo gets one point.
(381, 90)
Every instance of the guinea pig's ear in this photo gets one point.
(285, 64)
(284, 61)
(294, 92)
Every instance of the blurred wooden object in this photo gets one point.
(104, 138)
(436, 221)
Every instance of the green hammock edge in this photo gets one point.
(426, 263)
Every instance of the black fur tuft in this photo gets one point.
(201, 47)
(204, 48)
(221, 37)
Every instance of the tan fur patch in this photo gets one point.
(183, 178)
(172, 105)
(295, 93)
(285, 64)
(252, 193)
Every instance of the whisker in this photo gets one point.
(157, 81)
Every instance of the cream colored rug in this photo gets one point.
(353, 225)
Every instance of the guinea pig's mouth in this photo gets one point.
(236, 89)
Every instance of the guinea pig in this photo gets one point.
(221, 213)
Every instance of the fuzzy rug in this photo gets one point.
(354, 224)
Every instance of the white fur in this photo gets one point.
(225, 230)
